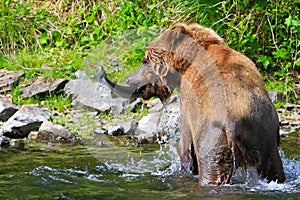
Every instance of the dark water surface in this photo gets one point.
(111, 172)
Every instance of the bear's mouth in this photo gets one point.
(150, 90)
(146, 91)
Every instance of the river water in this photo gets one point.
(118, 172)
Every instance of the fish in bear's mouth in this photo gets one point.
(146, 91)
(150, 90)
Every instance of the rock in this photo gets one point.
(27, 119)
(170, 120)
(295, 124)
(115, 130)
(130, 127)
(17, 143)
(50, 132)
(275, 96)
(93, 96)
(81, 75)
(7, 109)
(6, 98)
(4, 142)
(41, 87)
(147, 129)
(117, 105)
(8, 79)
(88, 95)
(122, 128)
(159, 125)
(290, 106)
(100, 131)
(132, 107)
(155, 106)
(33, 135)
(284, 123)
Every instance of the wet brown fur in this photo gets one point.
(227, 118)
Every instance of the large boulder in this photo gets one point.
(93, 96)
(27, 119)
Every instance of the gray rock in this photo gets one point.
(8, 79)
(275, 96)
(170, 119)
(4, 142)
(17, 143)
(7, 109)
(50, 132)
(41, 87)
(130, 127)
(119, 128)
(147, 129)
(155, 106)
(7, 98)
(93, 96)
(81, 75)
(158, 124)
(290, 106)
(284, 123)
(115, 130)
(118, 105)
(100, 131)
(27, 119)
(133, 105)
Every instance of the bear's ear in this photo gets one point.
(179, 28)
(177, 34)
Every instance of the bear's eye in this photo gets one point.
(145, 61)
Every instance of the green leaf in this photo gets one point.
(288, 21)
(265, 60)
(281, 53)
(43, 39)
(297, 63)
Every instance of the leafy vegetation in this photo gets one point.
(61, 34)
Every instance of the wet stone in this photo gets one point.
(27, 119)
(8, 79)
(50, 132)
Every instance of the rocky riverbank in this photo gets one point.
(91, 100)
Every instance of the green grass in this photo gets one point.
(53, 40)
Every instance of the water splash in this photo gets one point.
(160, 163)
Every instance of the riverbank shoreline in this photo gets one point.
(97, 112)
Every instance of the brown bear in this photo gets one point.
(227, 118)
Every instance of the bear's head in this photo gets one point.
(167, 58)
